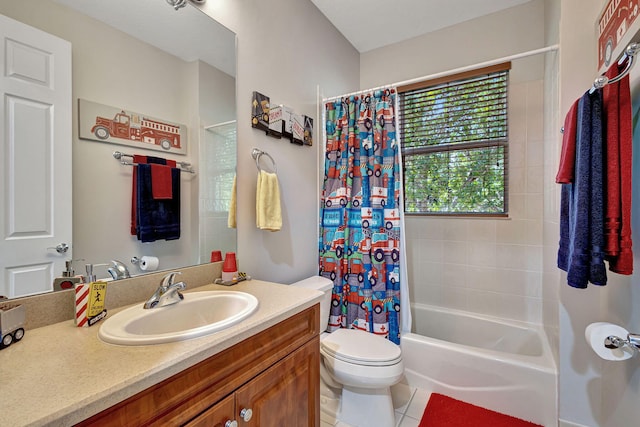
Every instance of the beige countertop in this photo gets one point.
(59, 374)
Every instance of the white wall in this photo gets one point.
(286, 48)
(491, 266)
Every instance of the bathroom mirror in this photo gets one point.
(176, 65)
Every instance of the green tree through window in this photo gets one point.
(454, 138)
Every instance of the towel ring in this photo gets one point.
(256, 154)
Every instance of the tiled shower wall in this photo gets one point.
(490, 266)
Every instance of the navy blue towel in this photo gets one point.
(598, 271)
(581, 208)
(565, 232)
(157, 219)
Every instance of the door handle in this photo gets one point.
(61, 248)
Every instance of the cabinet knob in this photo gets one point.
(246, 414)
(231, 423)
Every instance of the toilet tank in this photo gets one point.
(325, 286)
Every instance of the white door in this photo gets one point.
(35, 151)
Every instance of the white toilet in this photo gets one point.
(362, 364)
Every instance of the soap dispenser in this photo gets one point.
(68, 278)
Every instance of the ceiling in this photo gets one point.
(179, 33)
(370, 24)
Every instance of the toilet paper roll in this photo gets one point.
(149, 263)
(597, 332)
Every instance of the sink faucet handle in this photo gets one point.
(168, 279)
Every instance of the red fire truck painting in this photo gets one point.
(138, 128)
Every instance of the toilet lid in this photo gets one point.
(360, 348)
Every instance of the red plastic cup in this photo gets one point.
(216, 256)
(230, 265)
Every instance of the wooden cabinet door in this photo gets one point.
(216, 416)
(287, 394)
(285, 357)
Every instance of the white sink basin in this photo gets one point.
(198, 314)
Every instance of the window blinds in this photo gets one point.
(455, 145)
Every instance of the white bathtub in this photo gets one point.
(506, 367)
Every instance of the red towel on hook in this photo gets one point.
(619, 145)
(161, 180)
(568, 156)
(621, 261)
(613, 214)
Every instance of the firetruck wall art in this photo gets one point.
(114, 125)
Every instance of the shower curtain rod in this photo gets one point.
(453, 71)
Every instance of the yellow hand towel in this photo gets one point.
(268, 211)
(231, 220)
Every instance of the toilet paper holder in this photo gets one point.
(632, 342)
(146, 263)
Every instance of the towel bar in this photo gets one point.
(118, 155)
(256, 154)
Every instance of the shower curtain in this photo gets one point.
(360, 223)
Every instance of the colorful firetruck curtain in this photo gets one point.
(360, 214)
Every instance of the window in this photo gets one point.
(454, 137)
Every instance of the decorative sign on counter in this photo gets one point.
(103, 123)
(617, 26)
(89, 302)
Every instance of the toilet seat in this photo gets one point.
(360, 348)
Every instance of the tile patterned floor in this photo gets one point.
(409, 404)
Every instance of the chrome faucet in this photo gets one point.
(118, 270)
(167, 293)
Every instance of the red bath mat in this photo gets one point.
(444, 411)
